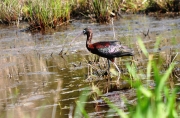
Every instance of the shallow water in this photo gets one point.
(35, 81)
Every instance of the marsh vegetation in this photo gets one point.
(52, 13)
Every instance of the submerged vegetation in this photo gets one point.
(53, 13)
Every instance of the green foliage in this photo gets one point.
(103, 9)
(165, 4)
(52, 13)
(135, 5)
(49, 12)
(156, 103)
(159, 102)
(9, 11)
(100, 9)
(79, 111)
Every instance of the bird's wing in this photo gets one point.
(106, 48)
(112, 49)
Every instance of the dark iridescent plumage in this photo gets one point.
(107, 49)
(110, 49)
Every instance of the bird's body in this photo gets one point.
(107, 49)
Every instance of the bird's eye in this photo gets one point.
(84, 31)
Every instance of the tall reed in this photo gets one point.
(49, 13)
(10, 11)
(100, 9)
(53, 13)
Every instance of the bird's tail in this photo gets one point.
(127, 51)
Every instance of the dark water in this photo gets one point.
(35, 81)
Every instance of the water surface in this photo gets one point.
(43, 75)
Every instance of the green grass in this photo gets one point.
(168, 5)
(100, 9)
(9, 11)
(40, 15)
(53, 13)
(157, 102)
(49, 13)
(135, 5)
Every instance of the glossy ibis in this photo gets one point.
(107, 49)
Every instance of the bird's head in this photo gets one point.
(86, 31)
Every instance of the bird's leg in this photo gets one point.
(107, 68)
(108, 73)
(108, 65)
(118, 71)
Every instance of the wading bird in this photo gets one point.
(107, 49)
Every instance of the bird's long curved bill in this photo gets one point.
(76, 37)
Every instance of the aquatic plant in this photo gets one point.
(167, 5)
(100, 9)
(134, 5)
(10, 11)
(81, 8)
(53, 13)
(49, 13)
(105, 9)
(163, 6)
(157, 102)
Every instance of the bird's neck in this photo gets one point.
(89, 38)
